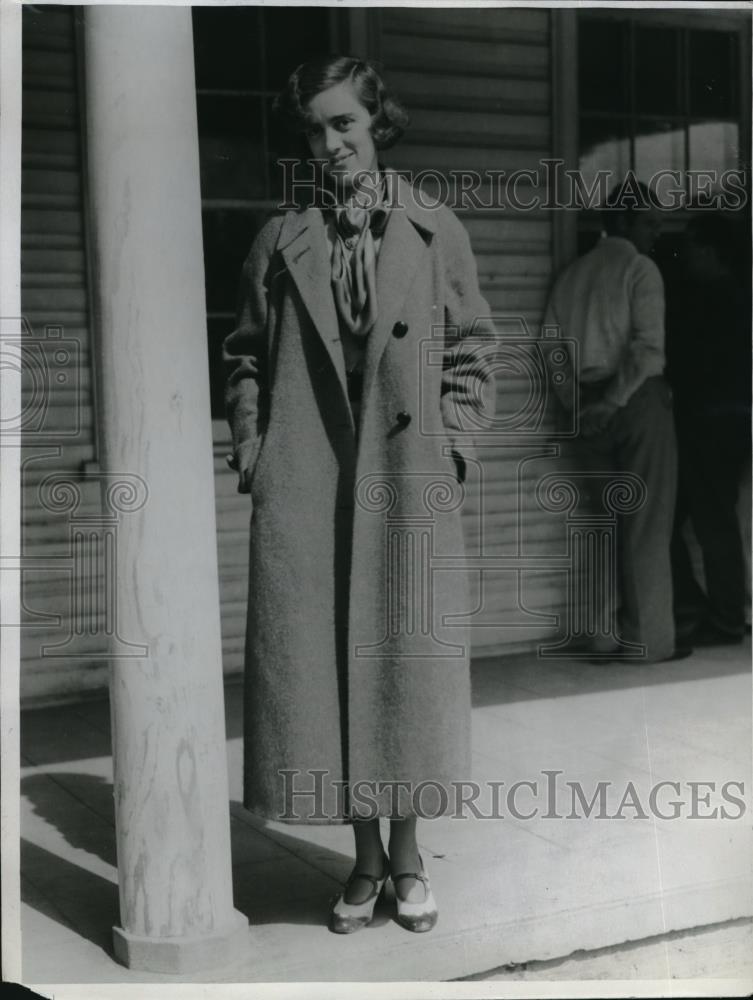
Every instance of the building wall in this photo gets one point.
(58, 393)
(478, 87)
(478, 84)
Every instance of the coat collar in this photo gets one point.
(304, 247)
(401, 193)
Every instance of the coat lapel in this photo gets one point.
(303, 245)
(405, 241)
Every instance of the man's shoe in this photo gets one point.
(708, 634)
(680, 652)
(685, 630)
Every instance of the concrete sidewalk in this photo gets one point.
(511, 890)
(721, 952)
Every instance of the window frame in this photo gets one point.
(342, 27)
(566, 109)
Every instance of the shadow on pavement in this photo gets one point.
(70, 895)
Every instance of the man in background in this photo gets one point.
(611, 302)
(709, 365)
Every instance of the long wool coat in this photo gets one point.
(356, 672)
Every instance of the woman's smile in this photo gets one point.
(339, 134)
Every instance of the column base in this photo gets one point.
(182, 954)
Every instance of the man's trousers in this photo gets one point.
(640, 439)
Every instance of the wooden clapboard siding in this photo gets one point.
(472, 93)
(477, 86)
(55, 303)
(490, 126)
(55, 292)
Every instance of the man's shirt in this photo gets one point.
(611, 301)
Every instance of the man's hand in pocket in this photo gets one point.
(596, 417)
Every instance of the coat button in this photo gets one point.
(403, 418)
(399, 329)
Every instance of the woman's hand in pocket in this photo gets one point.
(243, 461)
(460, 469)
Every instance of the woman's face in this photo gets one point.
(339, 132)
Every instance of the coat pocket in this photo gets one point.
(244, 460)
(460, 466)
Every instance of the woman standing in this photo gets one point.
(350, 386)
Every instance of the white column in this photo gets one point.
(171, 789)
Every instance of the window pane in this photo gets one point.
(228, 235)
(292, 37)
(227, 46)
(714, 146)
(656, 71)
(604, 145)
(602, 78)
(284, 144)
(217, 329)
(658, 146)
(231, 147)
(712, 72)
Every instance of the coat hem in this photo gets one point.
(277, 816)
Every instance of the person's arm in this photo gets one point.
(467, 380)
(244, 356)
(644, 353)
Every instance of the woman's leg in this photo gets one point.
(369, 859)
(403, 851)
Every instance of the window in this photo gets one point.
(656, 96)
(243, 56)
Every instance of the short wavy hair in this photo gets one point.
(389, 118)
